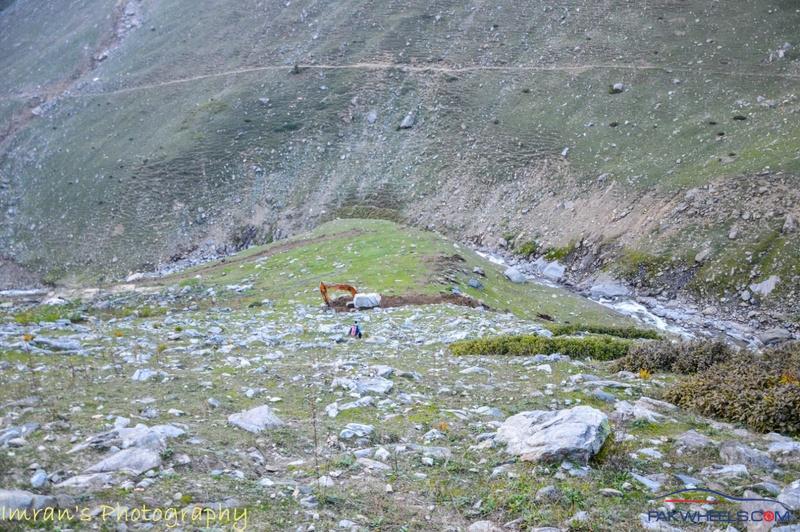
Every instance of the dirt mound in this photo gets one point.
(340, 304)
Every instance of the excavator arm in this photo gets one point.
(323, 290)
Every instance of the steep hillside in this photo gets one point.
(134, 132)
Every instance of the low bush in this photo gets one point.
(761, 391)
(686, 357)
(619, 332)
(597, 347)
(560, 253)
(48, 313)
(528, 248)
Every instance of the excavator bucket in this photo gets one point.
(324, 287)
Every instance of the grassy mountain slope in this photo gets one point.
(380, 256)
(195, 132)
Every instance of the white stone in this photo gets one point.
(256, 419)
(574, 434)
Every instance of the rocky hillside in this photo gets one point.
(655, 140)
(231, 387)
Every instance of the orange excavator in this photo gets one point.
(323, 289)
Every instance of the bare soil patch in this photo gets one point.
(340, 304)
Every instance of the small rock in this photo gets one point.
(483, 526)
(548, 494)
(409, 120)
(789, 225)
(702, 256)
(38, 479)
(474, 283)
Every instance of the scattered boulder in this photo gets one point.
(548, 494)
(733, 452)
(91, 481)
(57, 344)
(256, 419)
(789, 224)
(651, 482)
(145, 374)
(725, 471)
(364, 300)
(377, 385)
(790, 496)
(775, 335)
(702, 255)
(765, 287)
(514, 275)
(691, 439)
(134, 460)
(356, 430)
(483, 526)
(409, 120)
(609, 288)
(38, 479)
(11, 500)
(554, 270)
(574, 434)
(616, 88)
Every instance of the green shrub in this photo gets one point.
(48, 313)
(528, 248)
(686, 357)
(560, 253)
(759, 391)
(619, 332)
(148, 311)
(598, 347)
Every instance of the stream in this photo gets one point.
(672, 317)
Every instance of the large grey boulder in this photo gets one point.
(19, 500)
(57, 344)
(733, 452)
(256, 419)
(790, 496)
(364, 385)
(554, 270)
(356, 430)
(775, 336)
(514, 275)
(90, 482)
(607, 287)
(574, 434)
(141, 435)
(134, 460)
(373, 385)
(367, 300)
(691, 439)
